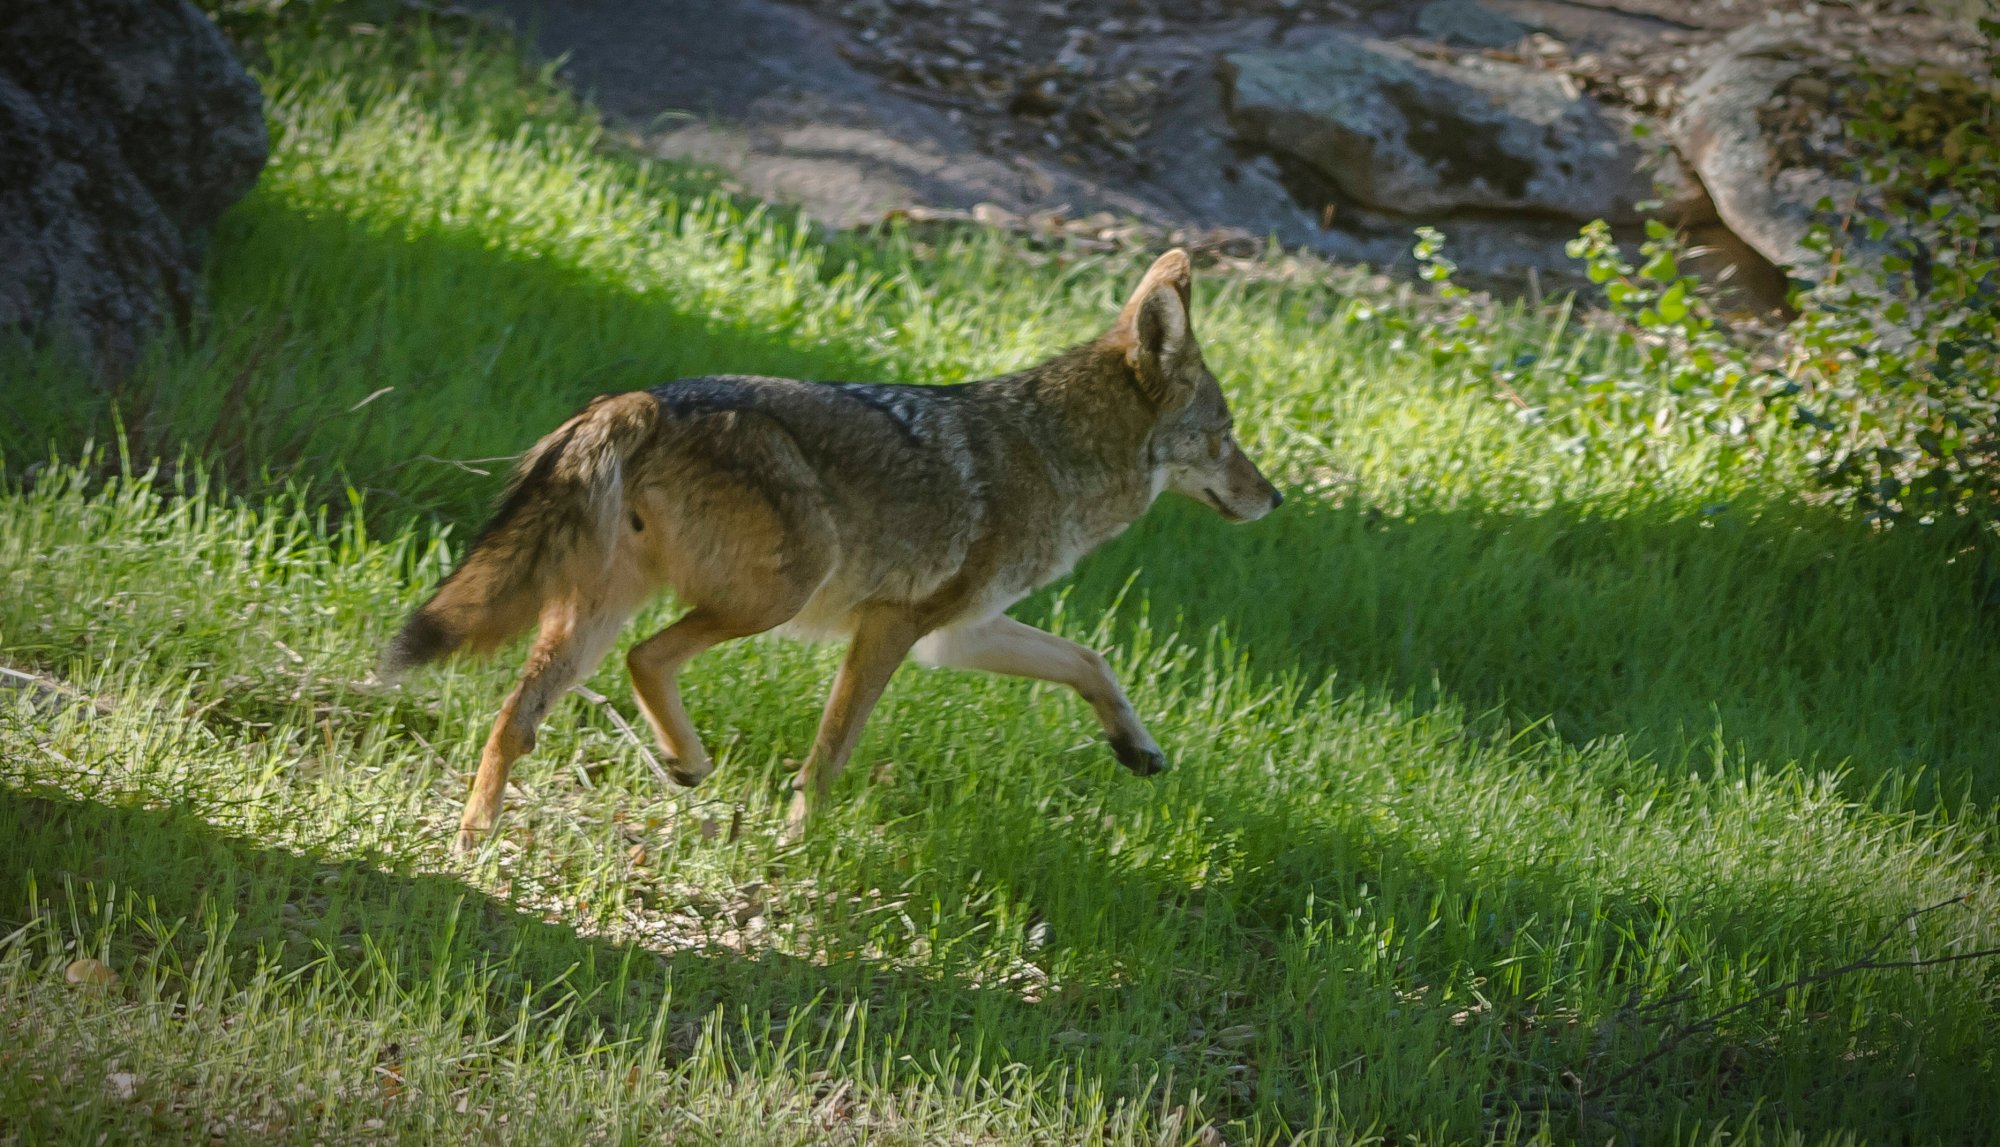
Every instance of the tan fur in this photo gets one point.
(898, 517)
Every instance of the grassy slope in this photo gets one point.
(1474, 748)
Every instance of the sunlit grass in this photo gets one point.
(1489, 738)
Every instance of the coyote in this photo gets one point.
(904, 518)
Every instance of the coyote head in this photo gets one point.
(1193, 446)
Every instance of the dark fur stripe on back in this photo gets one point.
(900, 403)
(689, 397)
(895, 403)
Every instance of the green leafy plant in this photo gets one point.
(1453, 337)
(1888, 380)
(1641, 374)
(1896, 352)
(1665, 321)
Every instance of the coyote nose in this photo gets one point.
(1277, 497)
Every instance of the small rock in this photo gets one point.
(90, 973)
(1236, 1035)
(1075, 57)
(1547, 47)
(1038, 98)
(121, 1086)
(993, 215)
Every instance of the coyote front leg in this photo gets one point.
(881, 641)
(1003, 645)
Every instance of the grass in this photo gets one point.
(1499, 752)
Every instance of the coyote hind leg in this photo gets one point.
(573, 638)
(655, 665)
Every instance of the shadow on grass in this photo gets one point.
(1744, 636)
(412, 364)
(1156, 959)
(296, 906)
(1361, 961)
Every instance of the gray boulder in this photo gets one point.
(126, 128)
(1721, 131)
(1409, 134)
(1470, 23)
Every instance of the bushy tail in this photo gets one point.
(555, 525)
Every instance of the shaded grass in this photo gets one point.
(1485, 738)
(1414, 920)
(1771, 631)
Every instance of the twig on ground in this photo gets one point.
(1865, 963)
(42, 688)
(469, 465)
(625, 727)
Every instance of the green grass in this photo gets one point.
(1492, 738)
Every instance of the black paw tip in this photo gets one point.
(1141, 760)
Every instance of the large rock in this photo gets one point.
(1722, 131)
(126, 127)
(1406, 133)
(1469, 22)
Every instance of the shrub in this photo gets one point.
(1889, 376)
(1896, 352)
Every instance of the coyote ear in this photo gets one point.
(1154, 327)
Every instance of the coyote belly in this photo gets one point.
(898, 517)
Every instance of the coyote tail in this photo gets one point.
(555, 525)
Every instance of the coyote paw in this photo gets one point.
(797, 819)
(467, 842)
(688, 775)
(1144, 758)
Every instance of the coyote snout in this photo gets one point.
(904, 518)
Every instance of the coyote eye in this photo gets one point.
(1215, 444)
